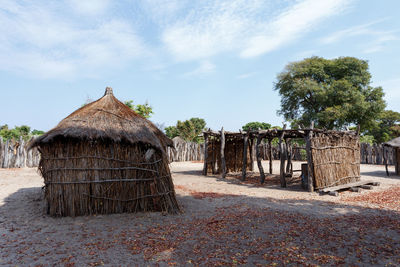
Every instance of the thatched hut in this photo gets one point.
(395, 144)
(105, 158)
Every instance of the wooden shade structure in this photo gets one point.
(333, 157)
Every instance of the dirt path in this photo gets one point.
(225, 222)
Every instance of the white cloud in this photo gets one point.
(377, 38)
(378, 43)
(205, 68)
(363, 29)
(90, 7)
(291, 24)
(251, 28)
(208, 30)
(163, 11)
(36, 40)
(87, 37)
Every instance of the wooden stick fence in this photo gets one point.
(14, 154)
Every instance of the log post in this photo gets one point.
(214, 156)
(259, 163)
(282, 151)
(396, 160)
(270, 154)
(245, 145)
(289, 152)
(310, 177)
(6, 154)
(205, 154)
(1, 152)
(385, 160)
(251, 150)
(223, 164)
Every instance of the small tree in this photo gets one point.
(144, 110)
(23, 131)
(189, 130)
(255, 126)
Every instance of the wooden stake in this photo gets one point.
(385, 160)
(223, 164)
(309, 160)
(289, 153)
(260, 167)
(396, 153)
(251, 146)
(245, 145)
(282, 151)
(270, 155)
(205, 154)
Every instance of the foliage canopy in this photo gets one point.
(256, 125)
(19, 131)
(189, 130)
(333, 93)
(144, 110)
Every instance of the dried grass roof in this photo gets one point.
(107, 118)
(393, 143)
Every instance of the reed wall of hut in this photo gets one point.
(233, 154)
(98, 177)
(336, 158)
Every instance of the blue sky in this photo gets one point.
(216, 60)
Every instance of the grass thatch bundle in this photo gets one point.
(105, 158)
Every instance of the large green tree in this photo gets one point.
(333, 93)
(387, 127)
(189, 130)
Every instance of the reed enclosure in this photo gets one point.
(13, 154)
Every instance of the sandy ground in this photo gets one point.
(225, 222)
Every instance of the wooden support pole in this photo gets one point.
(251, 150)
(259, 163)
(270, 155)
(282, 151)
(289, 153)
(214, 156)
(310, 180)
(245, 145)
(205, 154)
(396, 160)
(223, 163)
(385, 160)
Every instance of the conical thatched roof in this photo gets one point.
(393, 143)
(107, 118)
